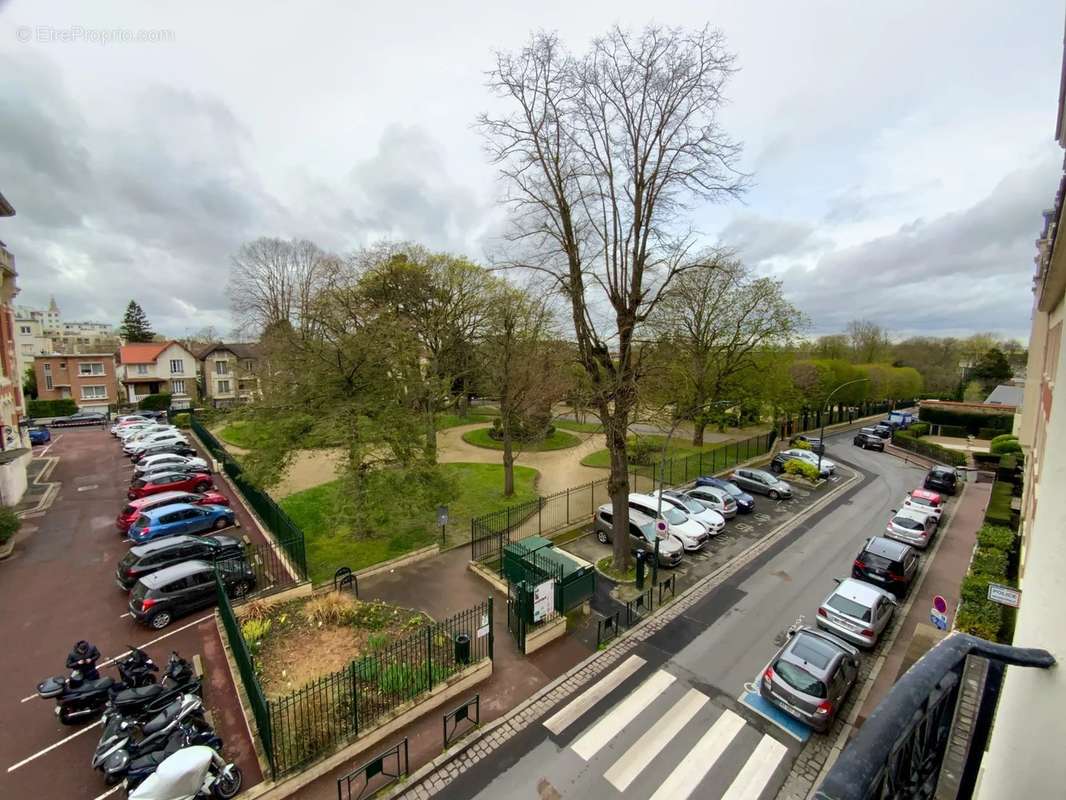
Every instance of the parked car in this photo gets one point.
(868, 440)
(144, 559)
(125, 420)
(714, 521)
(158, 599)
(903, 418)
(164, 469)
(856, 611)
(177, 448)
(745, 502)
(761, 482)
(171, 481)
(884, 431)
(40, 435)
(134, 508)
(810, 676)
(941, 479)
(81, 418)
(718, 500)
(829, 467)
(887, 563)
(779, 463)
(642, 535)
(147, 432)
(163, 459)
(167, 438)
(816, 444)
(913, 527)
(926, 502)
(179, 518)
(127, 432)
(692, 533)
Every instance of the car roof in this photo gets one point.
(168, 574)
(163, 498)
(926, 494)
(908, 512)
(859, 591)
(887, 548)
(809, 648)
(152, 513)
(943, 469)
(141, 550)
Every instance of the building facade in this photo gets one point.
(157, 368)
(14, 439)
(30, 340)
(229, 373)
(87, 379)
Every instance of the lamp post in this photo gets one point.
(825, 411)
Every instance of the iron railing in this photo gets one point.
(899, 751)
(454, 719)
(942, 455)
(360, 783)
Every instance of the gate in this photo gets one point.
(519, 609)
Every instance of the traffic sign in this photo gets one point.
(938, 619)
(661, 526)
(1004, 595)
(442, 515)
(940, 604)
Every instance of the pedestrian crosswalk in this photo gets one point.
(662, 739)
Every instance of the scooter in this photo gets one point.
(120, 765)
(79, 698)
(178, 678)
(119, 733)
(194, 773)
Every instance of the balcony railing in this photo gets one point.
(932, 727)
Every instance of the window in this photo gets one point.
(24, 329)
(47, 376)
(142, 369)
(177, 366)
(223, 387)
(93, 392)
(221, 368)
(91, 368)
(177, 387)
(27, 349)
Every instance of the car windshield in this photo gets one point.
(921, 501)
(734, 490)
(690, 504)
(141, 522)
(874, 561)
(674, 516)
(127, 510)
(648, 529)
(849, 607)
(908, 523)
(799, 679)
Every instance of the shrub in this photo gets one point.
(989, 562)
(51, 408)
(642, 451)
(183, 420)
(329, 609)
(994, 435)
(1004, 447)
(800, 444)
(255, 610)
(971, 421)
(918, 429)
(980, 618)
(10, 522)
(956, 431)
(996, 537)
(155, 402)
(998, 511)
(254, 631)
(797, 466)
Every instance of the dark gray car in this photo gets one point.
(641, 535)
(810, 676)
(759, 481)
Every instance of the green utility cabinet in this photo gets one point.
(536, 559)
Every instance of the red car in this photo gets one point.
(927, 502)
(135, 508)
(170, 482)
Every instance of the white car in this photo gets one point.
(140, 431)
(169, 460)
(692, 533)
(716, 499)
(711, 519)
(828, 467)
(167, 437)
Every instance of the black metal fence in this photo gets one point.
(269, 565)
(490, 533)
(812, 419)
(607, 629)
(375, 774)
(454, 719)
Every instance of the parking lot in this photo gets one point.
(58, 587)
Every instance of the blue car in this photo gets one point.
(745, 502)
(180, 518)
(40, 435)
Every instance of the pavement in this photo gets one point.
(58, 587)
(661, 714)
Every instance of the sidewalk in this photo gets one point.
(943, 576)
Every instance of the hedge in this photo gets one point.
(155, 402)
(931, 450)
(797, 466)
(918, 429)
(971, 421)
(994, 435)
(1003, 437)
(182, 420)
(51, 408)
(994, 561)
(956, 431)
(998, 511)
(10, 522)
(1009, 446)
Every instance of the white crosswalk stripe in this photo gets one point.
(614, 721)
(682, 782)
(625, 770)
(757, 771)
(559, 722)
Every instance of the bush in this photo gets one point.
(154, 402)
(800, 444)
(254, 631)
(931, 450)
(329, 609)
(183, 420)
(997, 538)
(987, 460)
(10, 522)
(1003, 447)
(998, 511)
(918, 429)
(971, 421)
(797, 466)
(989, 562)
(51, 408)
(980, 618)
(956, 431)
(643, 451)
(994, 561)
(993, 435)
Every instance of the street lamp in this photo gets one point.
(825, 412)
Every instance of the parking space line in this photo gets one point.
(112, 660)
(52, 747)
(108, 793)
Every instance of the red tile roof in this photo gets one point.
(142, 352)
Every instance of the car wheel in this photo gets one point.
(774, 495)
(160, 620)
(602, 537)
(221, 523)
(240, 589)
(202, 487)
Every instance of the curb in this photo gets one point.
(617, 648)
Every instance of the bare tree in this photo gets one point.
(602, 153)
(274, 282)
(869, 341)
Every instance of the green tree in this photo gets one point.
(29, 383)
(992, 369)
(135, 326)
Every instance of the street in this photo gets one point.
(667, 721)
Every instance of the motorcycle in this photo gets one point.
(120, 765)
(178, 679)
(79, 698)
(120, 734)
(193, 773)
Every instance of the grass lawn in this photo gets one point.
(559, 440)
(678, 449)
(581, 427)
(606, 566)
(445, 421)
(330, 546)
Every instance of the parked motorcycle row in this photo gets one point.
(155, 737)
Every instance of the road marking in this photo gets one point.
(112, 660)
(108, 793)
(89, 488)
(612, 723)
(757, 770)
(587, 699)
(52, 747)
(625, 770)
(682, 782)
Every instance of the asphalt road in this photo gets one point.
(667, 724)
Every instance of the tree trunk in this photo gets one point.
(618, 487)
(431, 431)
(463, 403)
(508, 460)
(698, 427)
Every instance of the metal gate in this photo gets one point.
(519, 609)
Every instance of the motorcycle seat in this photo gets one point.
(138, 696)
(162, 719)
(98, 685)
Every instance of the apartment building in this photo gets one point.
(229, 373)
(157, 368)
(88, 379)
(30, 341)
(14, 441)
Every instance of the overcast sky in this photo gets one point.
(894, 146)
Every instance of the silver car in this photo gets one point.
(912, 526)
(708, 517)
(810, 676)
(856, 612)
(642, 535)
(760, 481)
(715, 499)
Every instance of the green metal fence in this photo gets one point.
(286, 532)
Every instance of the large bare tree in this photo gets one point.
(602, 153)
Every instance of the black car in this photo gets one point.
(941, 479)
(813, 442)
(886, 563)
(160, 598)
(745, 502)
(180, 449)
(883, 430)
(868, 440)
(144, 559)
